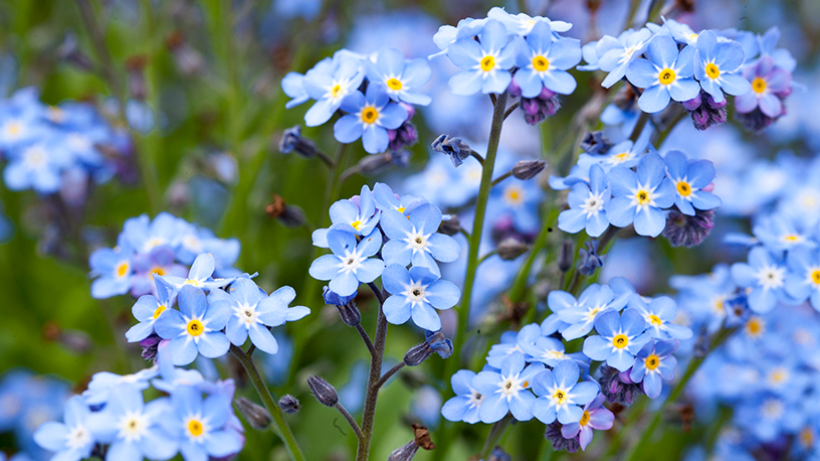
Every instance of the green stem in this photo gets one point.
(636, 132)
(502, 177)
(496, 432)
(279, 423)
(372, 394)
(520, 283)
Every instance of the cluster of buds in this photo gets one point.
(705, 111)
(537, 109)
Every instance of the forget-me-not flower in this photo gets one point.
(201, 426)
(626, 154)
(595, 416)
(640, 197)
(357, 215)
(148, 309)
(767, 81)
(619, 338)
(196, 328)
(507, 390)
(659, 315)
(200, 275)
(544, 62)
(467, 401)
(414, 238)
(581, 314)
(616, 54)
(415, 293)
(717, 66)
(560, 394)
(523, 24)
(654, 363)
(38, 166)
(386, 199)
(689, 179)
(71, 440)
(485, 63)
(350, 263)
(369, 117)
(666, 74)
(511, 342)
(764, 277)
(401, 77)
(587, 206)
(329, 83)
(114, 268)
(803, 278)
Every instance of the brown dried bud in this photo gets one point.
(511, 248)
(422, 437)
(451, 226)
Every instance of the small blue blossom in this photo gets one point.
(717, 67)
(401, 77)
(467, 402)
(253, 312)
(764, 276)
(654, 363)
(357, 215)
(619, 338)
(144, 234)
(148, 309)
(523, 24)
(369, 117)
(114, 269)
(99, 389)
(38, 166)
(200, 275)
(587, 206)
(626, 154)
(581, 314)
(596, 416)
(560, 394)
(485, 63)
(616, 54)
(550, 351)
(415, 293)
(778, 232)
(803, 278)
(329, 83)
(544, 62)
(195, 328)
(202, 426)
(665, 74)
(350, 263)
(507, 390)
(511, 342)
(689, 179)
(293, 86)
(659, 315)
(413, 238)
(159, 261)
(638, 198)
(71, 440)
(386, 199)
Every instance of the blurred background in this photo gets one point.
(198, 84)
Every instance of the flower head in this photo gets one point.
(595, 416)
(350, 263)
(560, 394)
(690, 178)
(329, 83)
(485, 63)
(400, 76)
(369, 117)
(717, 66)
(666, 74)
(148, 309)
(71, 440)
(543, 63)
(587, 206)
(415, 293)
(507, 390)
(202, 426)
(638, 198)
(655, 362)
(619, 338)
(414, 238)
(467, 402)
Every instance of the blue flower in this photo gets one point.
(511, 342)
(618, 339)
(507, 390)
(467, 402)
(38, 166)
(200, 275)
(99, 389)
(659, 315)
(293, 86)
(369, 117)
(400, 76)
(595, 416)
(148, 309)
(769, 81)
(386, 199)
(581, 314)
(144, 235)
(626, 154)
(522, 23)
(159, 261)
(587, 206)
(202, 426)
(253, 313)
(778, 232)
(655, 362)
(544, 62)
(131, 428)
(329, 83)
(764, 277)
(71, 440)
(357, 216)
(413, 238)
(485, 63)
(195, 328)
(616, 54)
(113, 266)
(550, 351)
(639, 198)
(414, 294)
(803, 278)
(717, 66)
(689, 178)
(350, 263)
(665, 74)
(560, 394)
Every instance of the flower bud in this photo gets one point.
(434, 342)
(589, 261)
(347, 308)
(404, 136)
(595, 143)
(556, 437)
(324, 392)
(456, 148)
(565, 256)
(688, 231)
(528, 169)
(290, 216)
(404, 453)
(289, 404)
(693, 103)
(69, 51)
(450, 225)
(150, 346)
(511, 248)
(293, 141)
(257, 416)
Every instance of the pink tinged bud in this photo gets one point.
(514, 89)
(709, 188)
(546, 93)
(411, 111)
(693, 103)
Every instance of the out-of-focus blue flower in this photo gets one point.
(619, 338)
(485, 63)
(350, 263)
(803, 278)
(523, 24)
(615, 55)
(103, 382)
(357, 216)
(717, 67)
(519, 199)
(765, 277)
(426, 406)
(768, 81)
(639, 198)
(778, 232)
(581, 314)
(401, 77)
(253, 313)
(329, 82)
(414, 294)
(200, 275)
(466, 404)
(277, 365)
(653, 363)
(679, 31)
(595, 416)
(386, 199)
(507, 390)
(38, 166)
(195, 328)
(114, 268)
(148, 309)
(369, 117)
(587, 206)
(306, 9)
(660, 314)
(690, 178)
(144, 234)
(202, 426)
(626, 154)
(544, 62)
(293, 86)
(71, 440)
(666, 74)
(512, 342)
(159, 261)
(413, 238)
(560, 394)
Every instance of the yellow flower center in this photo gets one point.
(195, 428)
(514, 195)
(754, 326)
(712, 70)
(807, 437)
(667, 76)
(195, 328)
(652, 362)
(791, 238)
(620, 341)
(487, 63)
(655, 320)
(369, 115)
(157, 271)
(14, 128)
(159, 311)
(336, 90)
(815, 276)
(401, 209)
(122, 269)
(356, 225)
(540, 63)
(584, 419)
(620, 158)
(643, 197)
(684, 188)
(559, 396)
(394, 84)
(758, 85)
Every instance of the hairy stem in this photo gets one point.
(366, 339)
(389, 374)
(353, 424)
(369, 413)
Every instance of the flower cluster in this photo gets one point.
(673, 63)
(163, 246)
(531, 373)
(605, 190)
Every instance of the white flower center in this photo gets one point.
(510, 386)
(771, 277)
(35, 157)
(78, 437)
(415, 292)
(351, 261)
(772, 409)
(559, 396)
(78, 142)
(643, 197)
(132, 426)
(246, 313)
(417, 241)
(593, 204)
(554, 355)
(475, 398)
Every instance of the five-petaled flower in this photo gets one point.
(638, 198)
(415, 293)
(369, 117)
(413, 238)
(653, 363)
(350, 263)
(689, 179)
(196, 328)
(560, 394)
(507, 390)
(666, 74)
(544, 62)
(587, 205)
(717, 66)
(485, 62)
(619, 338)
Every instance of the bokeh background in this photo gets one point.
(208, 129)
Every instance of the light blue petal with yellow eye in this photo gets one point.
(771, 105)
(620, 211)
(584, 392)
(417, 99)
(444, 248)
(762, 301)
(684, 89)
(654, 99)
(424, 316)
(417, 73)
(213, 344)
(426, 218)
(493, 408)
(354, 102)
(559, 81)
(569, 414)
(649, 222)
(263, 339)
(597, 224)
(707, 43)
(665, 193)
(607, 323)
(677, 165)
(347, 129)
(396, 252)
(597, 348)
(642, 73)
(572, 221)
(685, 206)
(465, 53)
(638, 370)
(344, 283)
(632, 322)
(662, 51)
(621, 360)
(622, 181)
(565, 53)
(370, 270)
(493, 36)
(320, 112)
(729, 56)
(651, 170)
(182, 351)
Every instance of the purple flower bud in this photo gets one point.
(289, 404)
(324, 392)
(693, 103)
(514, 89)
(595, 143)
(256, 415)
(411, 110)
(688, 231)
(559, 443)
